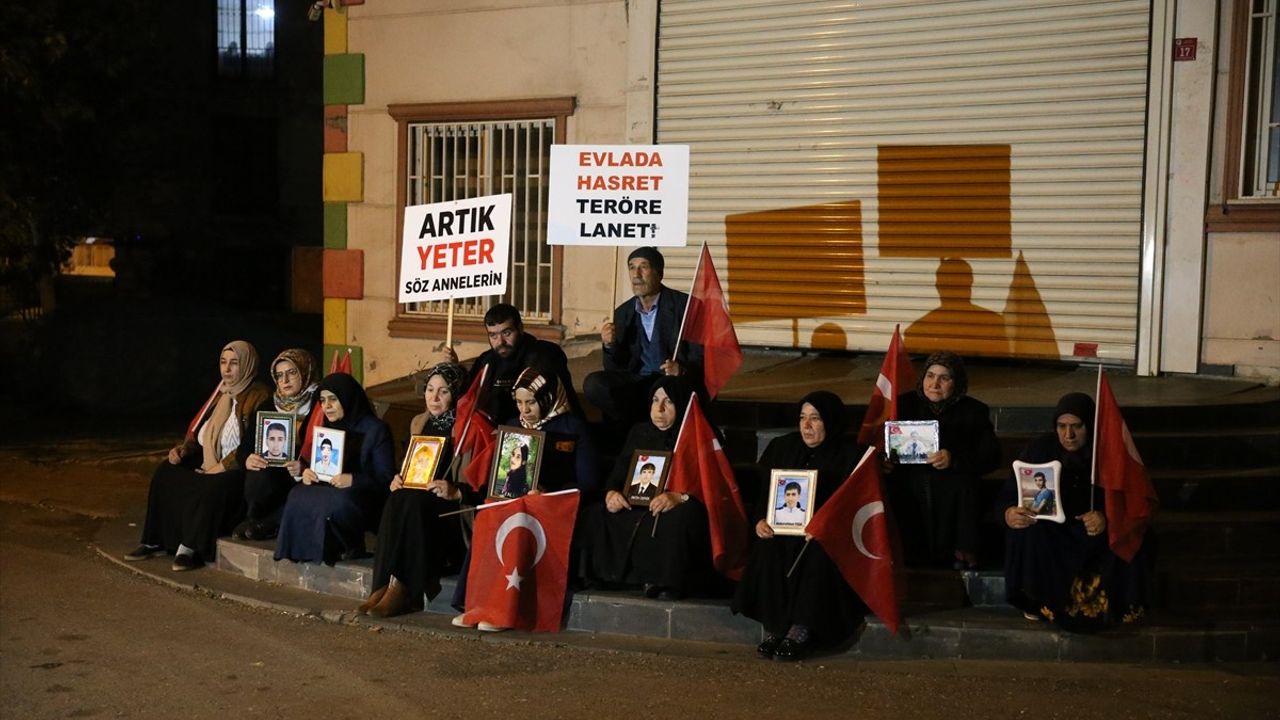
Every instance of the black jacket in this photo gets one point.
(625, 355)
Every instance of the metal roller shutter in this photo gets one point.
(969, 169)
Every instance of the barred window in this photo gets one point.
(1260, 149)
(455, 151)
(246, 38)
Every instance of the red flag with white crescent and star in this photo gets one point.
(896, 377)
(708, 323)
(854, 531)
(520, 561)
(700, 469)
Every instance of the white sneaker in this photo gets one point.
(460, 621)
(490, 627)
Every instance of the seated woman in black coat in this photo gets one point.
(266, 486)
(197, 494)
(620, 545)
(936, 503)
(1066, 573)
(324, 521)
(415, 545)
(814, 606)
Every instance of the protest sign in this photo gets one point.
(455, 249)
(618, 195)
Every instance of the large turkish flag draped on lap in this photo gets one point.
(896, 377)
(854, 531)
(520, 561)
(707, 322)
(1131, 499)
(700, 468)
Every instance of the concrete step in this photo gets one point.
(986, 630)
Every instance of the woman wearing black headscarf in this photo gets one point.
(323, 521)
(1066, 573)
(415, 545)
(814, 606)
(620, 545)
(935, 504)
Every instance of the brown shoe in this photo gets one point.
(394, 602)
(374, 598)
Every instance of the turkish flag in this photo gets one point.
(472, 435)
(896, 376)
(852, 527)
(341, 362)
(520, 561)
(707, 322)
(700, 468)
(1131, 499)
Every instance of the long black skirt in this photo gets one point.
(321, 522)
(265, 492)
(816, 595)
(936, 515)
(185, 507)
(416, 545)
(1060, 573)
(624, 547)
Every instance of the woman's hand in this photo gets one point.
(763, 531)
(1018, 518)
(615, 501)
(255, 462)
(214, 469)
(664, 502)
(444, 490)
(294, 467)
(1095, 523)
(341, 480)
(309, 477)
(888, 463)
(940, 460)
(397, 482)
(446, 354)
(176, 454)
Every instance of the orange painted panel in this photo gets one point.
(335, 128)
(344, 274)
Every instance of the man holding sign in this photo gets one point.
(640, 343)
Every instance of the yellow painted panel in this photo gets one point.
(335, 32)
(344, 177)
(335, 321)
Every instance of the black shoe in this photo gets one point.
(241, 531)
(767, 648)
(791, 650)
(185, 562)
(262, 530)
(142, 552)
(651, 591)
(353, 554)
(670, 595)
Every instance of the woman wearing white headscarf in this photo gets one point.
(197, 494)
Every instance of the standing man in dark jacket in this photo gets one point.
(640, 344)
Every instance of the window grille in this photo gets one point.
(246, 38)
(456, 161)
(1261, 147)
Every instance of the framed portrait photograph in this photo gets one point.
(274, 437)
(913, 441)
(328, 448)
(647, 476)
(1038, 489)
(791, 500)
(421, 460)
(515, 462)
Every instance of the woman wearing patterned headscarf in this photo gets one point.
(266, 486)
(197, 494)
(810, 605)
(568, 453)
(936, 503)
(1066, 572)
(415, 545)
(325, 521)
(619, 544)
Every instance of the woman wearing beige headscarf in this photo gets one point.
(197, 494)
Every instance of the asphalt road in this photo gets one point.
(82, 637)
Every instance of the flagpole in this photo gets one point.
(613, 293)
(799, 555)
(1093, 434)
(448, 328)
(683, 318)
